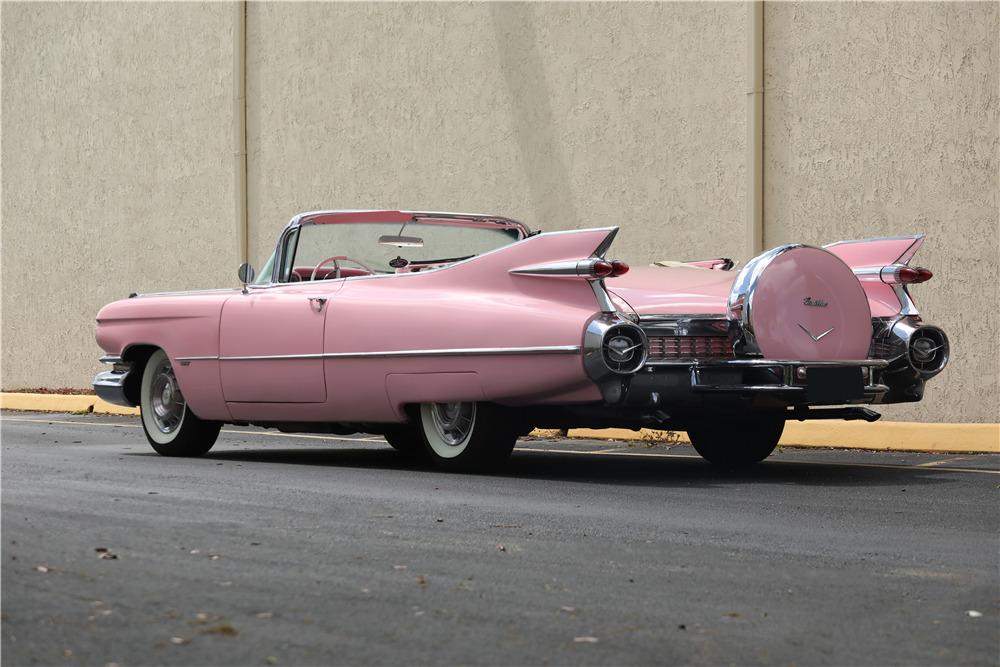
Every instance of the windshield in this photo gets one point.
(441, 243)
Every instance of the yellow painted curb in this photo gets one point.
(881, 436)
(62, 403)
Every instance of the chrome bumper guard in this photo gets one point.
(110, 385)
(788, 369)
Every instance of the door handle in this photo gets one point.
(318, 300)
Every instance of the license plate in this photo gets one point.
(834, 385)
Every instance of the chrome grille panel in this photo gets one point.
(886, 348)
(689, 347)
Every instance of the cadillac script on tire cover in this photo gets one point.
(453, 334)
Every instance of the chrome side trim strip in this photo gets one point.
(215, 290)
(449, 352)
(204, 358)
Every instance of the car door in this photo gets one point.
(271, 343)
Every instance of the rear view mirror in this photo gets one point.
(401, 241)
(246, 273)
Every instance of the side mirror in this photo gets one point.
(246, 273)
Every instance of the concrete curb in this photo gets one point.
(77, 403)
(879, 436)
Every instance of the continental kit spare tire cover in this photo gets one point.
(803, 303)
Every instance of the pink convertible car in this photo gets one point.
(453, 334)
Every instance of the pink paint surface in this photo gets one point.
(674, 290)
(779, 312)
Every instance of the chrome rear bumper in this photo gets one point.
(110, 385)
(791, 375)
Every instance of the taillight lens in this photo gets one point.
(618, 268)
(601, 269)
(908, 275)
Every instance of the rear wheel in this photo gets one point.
(466, 436)
(739, 442)
(171, 428)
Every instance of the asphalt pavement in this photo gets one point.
(289, 550)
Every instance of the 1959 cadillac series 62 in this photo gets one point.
(453, 334)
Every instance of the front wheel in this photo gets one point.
(466, 436)
(739, 442)
(171, 428)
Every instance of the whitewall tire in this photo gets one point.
(170, 427)
(466, 436)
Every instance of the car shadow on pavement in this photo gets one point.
(612, 470)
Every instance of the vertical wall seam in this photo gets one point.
(240, 125)
(755, 128)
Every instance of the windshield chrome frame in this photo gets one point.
(277, 267)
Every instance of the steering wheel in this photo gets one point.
(336, 259)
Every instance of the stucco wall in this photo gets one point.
(882, 119)
(117, 170)
(562, 115)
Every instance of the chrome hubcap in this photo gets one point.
(166, 399)
(453, 421)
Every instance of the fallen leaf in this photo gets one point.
(584, 640)
(100, 550)
(107, 555)
(568, 610)
(271, 660)
(421, 580)
(224, 630)
(214, 556)
(201, 618)
(179, 640)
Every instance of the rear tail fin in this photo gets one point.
(877, 252)
(882, 266)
